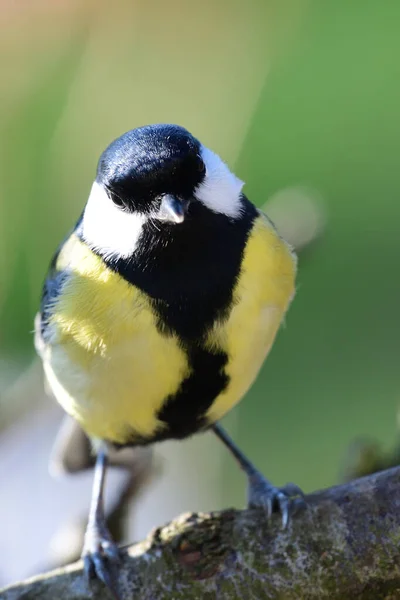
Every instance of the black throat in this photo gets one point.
(189, 270)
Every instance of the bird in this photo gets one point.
(159, 309)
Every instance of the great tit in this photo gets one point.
(160, 307)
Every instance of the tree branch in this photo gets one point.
(344, 545)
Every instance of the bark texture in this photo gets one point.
(344, 545)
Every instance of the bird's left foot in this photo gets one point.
(286, 500)
(99, 552)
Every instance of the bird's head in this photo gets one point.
(159, 173)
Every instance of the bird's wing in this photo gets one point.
(38, 337)
(51, 290)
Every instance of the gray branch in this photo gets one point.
(344, 545)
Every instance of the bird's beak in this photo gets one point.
(172, 209)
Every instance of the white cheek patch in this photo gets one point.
(107, 228)
(220, 191)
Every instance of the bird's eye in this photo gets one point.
(116, 199)
(201, 167)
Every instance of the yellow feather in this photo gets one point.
(110, 368)
(107, 362)
(262, 295)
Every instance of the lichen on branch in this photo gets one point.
(344, 545)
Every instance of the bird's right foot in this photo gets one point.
(99, 555)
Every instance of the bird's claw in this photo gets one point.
(286, 500)
(98, 552)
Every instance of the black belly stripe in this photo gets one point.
(184, 412)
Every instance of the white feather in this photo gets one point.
(116, 233)
(220, 191)
(109, 229)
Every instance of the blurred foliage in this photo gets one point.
(293, 94)
(366, 456)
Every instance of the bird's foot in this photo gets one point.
(286, 500)
(99, 553)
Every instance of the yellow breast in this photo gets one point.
(111, 369)
(265, 287)
(106, 362)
